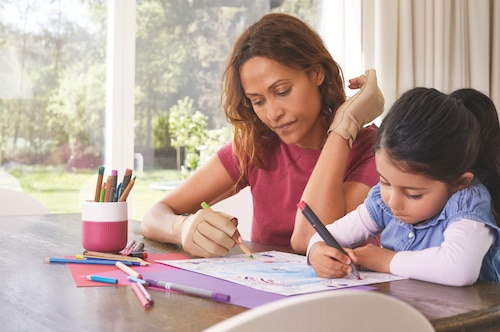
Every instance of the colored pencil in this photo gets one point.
(242, 246)
(100, 174)
(109, 182)
(117, 257)
(83, 261)
(127, 190)
(126, 179)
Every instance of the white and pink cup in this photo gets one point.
(104, 226)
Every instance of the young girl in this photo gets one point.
(437, 203)
(281, 92)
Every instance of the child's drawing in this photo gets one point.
(275, 272)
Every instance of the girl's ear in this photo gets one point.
(463, 181)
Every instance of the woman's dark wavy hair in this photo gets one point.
(291, 42)
(443, 136)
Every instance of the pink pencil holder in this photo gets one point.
(104, 226)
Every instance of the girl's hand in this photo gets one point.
(374, 258)
(328, 262)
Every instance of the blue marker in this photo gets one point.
(137, 280)
(103, 279)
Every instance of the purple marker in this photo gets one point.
(190, 290)
(114, 183)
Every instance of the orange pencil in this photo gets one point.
(100, 174)
(242, 246)
(127, 190)
(109, 182)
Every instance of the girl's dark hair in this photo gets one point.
(291, 42)
(443, 136)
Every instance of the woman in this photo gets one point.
(281, 90)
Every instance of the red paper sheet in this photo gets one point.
(80, 271)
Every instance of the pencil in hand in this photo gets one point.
(324, 233)
(242, 246)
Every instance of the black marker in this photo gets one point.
(323, 232)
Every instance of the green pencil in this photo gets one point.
(241, 245)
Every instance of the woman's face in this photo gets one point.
(288, 101)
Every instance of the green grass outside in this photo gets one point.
(62, 192)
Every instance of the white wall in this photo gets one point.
(241, 207)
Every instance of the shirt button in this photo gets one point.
(411, 235)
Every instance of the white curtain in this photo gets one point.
(445, 44)
(339, 25)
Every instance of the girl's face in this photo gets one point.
(412, 198)
(287, 100)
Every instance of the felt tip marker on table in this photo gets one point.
(190, 290)
(127, 270)
(137, 280)
(140, 295)
(145, 292)
(242, 246)
(102, 279)
(323, 232)
(128, 247)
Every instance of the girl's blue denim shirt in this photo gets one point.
(473, 202)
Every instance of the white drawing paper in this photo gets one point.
(275, 272)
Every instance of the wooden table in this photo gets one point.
(42, 297)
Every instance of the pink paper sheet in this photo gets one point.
(242, 296)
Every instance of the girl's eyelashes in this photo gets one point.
(408, 195)
(414, 196)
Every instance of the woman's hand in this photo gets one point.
(360, 109)
(208, 233)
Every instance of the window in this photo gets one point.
(65, 110)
